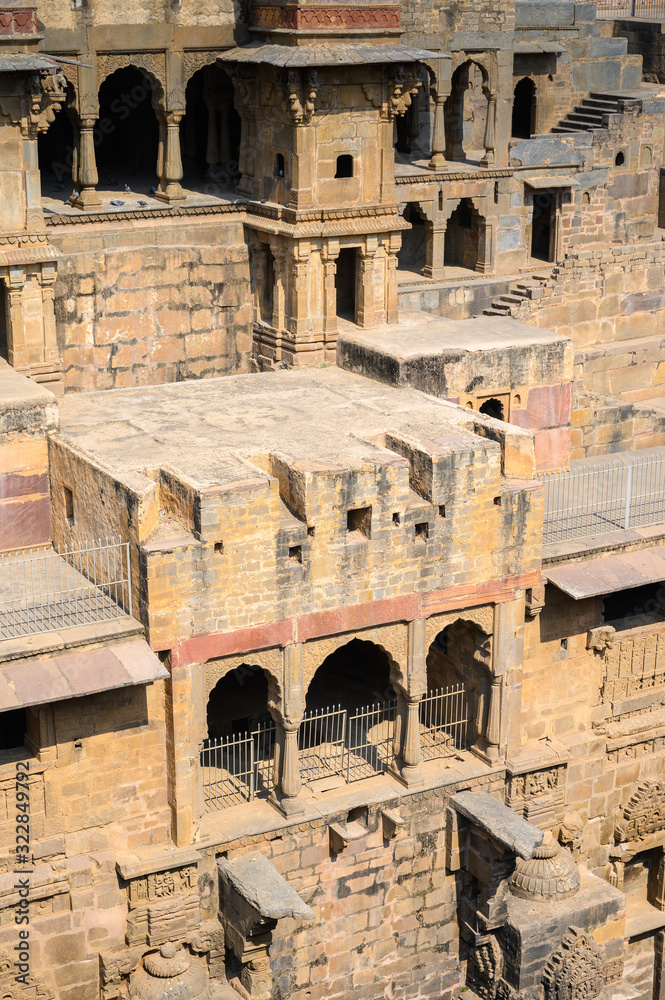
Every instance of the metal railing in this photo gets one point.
(331, 742)
(632, 8)
(445, 721)
(600, 496)
(46, 589)
(238, 768)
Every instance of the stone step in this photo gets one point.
(585, 118)
(512, 298)
(494, 312)
(598, 107)
(567, 128)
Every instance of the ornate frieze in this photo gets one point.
(645, 812)
(315, 16)
(576, 969)
(18, 20)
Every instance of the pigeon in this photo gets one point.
(153, 189)
(116, 202)
(74, 196)
(142, 203)
(127, 187)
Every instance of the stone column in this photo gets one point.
(392, 302)
(279, 287)
(438, 159)
(493, 734)
(435, 249)
(490, 131)
(169, 159)
(410, 687)
(287, 711)
(485, 261)
(365, 305)
(657, 895)
(51, 351)
(329, 257)
(87, 179)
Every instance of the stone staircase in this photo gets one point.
(590, 114)
(529, 288)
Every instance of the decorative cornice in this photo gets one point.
(441, 176)
(151, 213)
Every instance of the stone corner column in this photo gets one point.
(169, 162)
(287, 711)
(410, 691)
(438, 159)
(88, 178)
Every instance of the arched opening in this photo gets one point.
(492, 408)
(237, 756)
(349, 724)
(210, 132)
(465, 113)
(345, 283)
(462, 236)
(127, 133)
(524, 106)
(411, 256)
(238, 703)
(461, 656)
(279, 165)
(344, 166)
(55, 150)
(354, 676)
(619, 159)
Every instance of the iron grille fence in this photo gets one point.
(238, 768)
(46, 589)
(445, 721)
(599, 496)
(631, 8)
(331, 741)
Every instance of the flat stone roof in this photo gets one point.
(211, 430)
(419, 334)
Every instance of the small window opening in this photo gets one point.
(310, 531)
(279, 165)
(397, 520)
(496, 192)
(442, 510)
(295, 553)
(344, 166)
(219, 548)
(497, 501)
(422, 531)
(441, 201)
(564, 644)
(359, 520)
(619, 159)
(69, 505)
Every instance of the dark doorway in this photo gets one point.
(210, 130)
(356, 675)
(462, 235)
(55, 149)
(345, 283)
(542, 226)
(12, 729)
(127, 133)
(411, 256)
(238, 702)
(492, 408)
(523, 109)
(267, 287)
(344, 166)
(465, 112)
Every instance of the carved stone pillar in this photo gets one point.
(657, 887)
(279, 288)
(287, 712)
(391, 304)
(435, 249)
(51, 351)
(438, 159)
(489, 141)
(410, 687)
(485, 261)
(493, 735)
(169, 166)
(329, 256)
(88, 178)
(365, 305)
